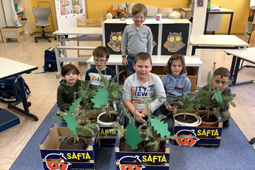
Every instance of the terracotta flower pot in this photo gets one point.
(203, 115)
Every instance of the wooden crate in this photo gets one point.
(208, 137)
(51, 154)
(142, 159)
(191, 74)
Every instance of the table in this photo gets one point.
(6, 33)
(190, 61)
(222, 11)
(74, 31)
(186, 13)
(246, 54)
(10, 68)
(216, 42)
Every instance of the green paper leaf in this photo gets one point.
(71, 122)
(218, 96)
(132, 136)
(74, 105)
(160, 127)
(100, 98)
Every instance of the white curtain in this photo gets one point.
(14, 14)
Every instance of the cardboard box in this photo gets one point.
(208, 137)
(51, 154)
(142, 159)
(108, 139)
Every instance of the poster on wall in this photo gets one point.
(200, 3)
(113, 37)
(174, 39)
(154, 29)
(71, 7)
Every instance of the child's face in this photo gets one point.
(71, 78)
(176, 68)
(138, 19)
(142, 69)
(218, 81)
(100, 62)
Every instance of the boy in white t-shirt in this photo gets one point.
(141, 86)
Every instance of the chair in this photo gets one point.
(88, 23)
(42, 15)
(251, 39)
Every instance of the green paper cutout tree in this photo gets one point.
(132, 136)
(100, 99)
(218, 96)
(160, 127)
(74, 106)
(71, 123)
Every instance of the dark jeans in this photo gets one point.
(129, 68)
(137, 124)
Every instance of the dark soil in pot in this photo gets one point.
(68, 144)
(212, 121)
(188, 119)
(127, 148)
(105, 118)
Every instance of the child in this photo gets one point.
(101, 57)
(221, 76)
(137, 38)
(68, 85)
(175, 82)
(141, 86)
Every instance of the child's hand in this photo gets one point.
(139, 117)
(124, 61)
(144, 112)
(169, 108)
(106, 106)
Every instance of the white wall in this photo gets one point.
(199, 15)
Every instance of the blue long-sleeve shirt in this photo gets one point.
(176, 86)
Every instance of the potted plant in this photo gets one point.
(130, 139)
(203, 99)
(187, 118)
(76, 141)
(107, 96)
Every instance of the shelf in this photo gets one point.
(20, 11)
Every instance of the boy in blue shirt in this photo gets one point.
(137, 38)
(101, 57)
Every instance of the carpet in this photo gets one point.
(235, 152)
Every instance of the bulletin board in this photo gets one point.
(113, 37)
(174, 39)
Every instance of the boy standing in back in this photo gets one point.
(137, 38)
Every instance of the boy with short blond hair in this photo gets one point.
(141, 86)
(101, 56)
(221, 76)
(137, 38)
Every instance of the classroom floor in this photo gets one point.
(44, 91)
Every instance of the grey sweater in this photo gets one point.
(138, 92)
(136, 40)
